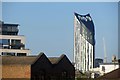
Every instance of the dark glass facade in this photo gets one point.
(9, 29)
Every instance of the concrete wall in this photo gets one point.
(22, 38)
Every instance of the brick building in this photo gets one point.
(37, 68)
(16, 67)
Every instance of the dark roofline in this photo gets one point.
(98, 59)
(87, 21)
(62, 57)
(56, 62)
(34, 59)
(82, 15)
(9, 24)
(88, 24)
(41, 54)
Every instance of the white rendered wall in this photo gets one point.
(22, 38)
(17, 37)
(108, 68)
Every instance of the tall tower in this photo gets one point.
(84, 42)
(105, 53)
(11, 43)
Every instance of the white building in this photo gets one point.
(107, 67)
(10, 42)
(83, 42)
(103, 69)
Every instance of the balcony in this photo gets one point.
(15, 50)
(9, 30)
(17, 46)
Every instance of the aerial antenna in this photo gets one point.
(105, 53)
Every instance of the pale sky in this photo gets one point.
(48, 27)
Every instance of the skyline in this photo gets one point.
(56, 25)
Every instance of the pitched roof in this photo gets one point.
(53, 60)
(6, 60)
(20, 59)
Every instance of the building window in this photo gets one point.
(8, 54)
(13, 41)
(21, 54)
(91, 37)
(16, 44)
(103, 68)
(4, 41)
(91, 54)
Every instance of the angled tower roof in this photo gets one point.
(86, 20)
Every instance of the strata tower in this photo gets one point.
(84, 42)
(11, 44)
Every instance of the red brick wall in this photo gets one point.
(16, 71)
(0, 71)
